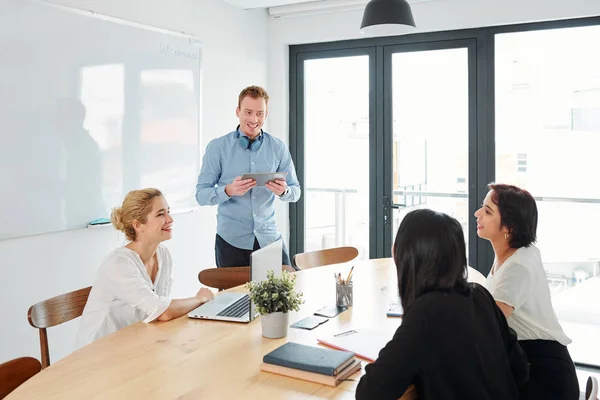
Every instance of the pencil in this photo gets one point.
(349, 274)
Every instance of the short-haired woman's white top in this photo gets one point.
(521, 283)
(124, 294)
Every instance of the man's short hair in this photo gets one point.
(256, 92)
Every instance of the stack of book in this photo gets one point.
(316, 364)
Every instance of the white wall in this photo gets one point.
(39, 267)
(437, 15)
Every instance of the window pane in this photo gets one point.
(547, 141)
(431, 132)
(450, 205)
(336, 161)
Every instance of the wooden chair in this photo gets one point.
(56, 311)
(325, 257)
(14, 372)
(226, 278)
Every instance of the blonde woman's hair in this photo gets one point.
(136, 207)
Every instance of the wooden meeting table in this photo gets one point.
(192, 359)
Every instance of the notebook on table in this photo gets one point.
(328, 380)
(363, 342)
(309, 358)
(316, 364)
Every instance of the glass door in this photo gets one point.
(336, 153)
(430, 128)
(380, 131)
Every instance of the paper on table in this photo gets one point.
(365, 343)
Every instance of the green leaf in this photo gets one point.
(275, 293)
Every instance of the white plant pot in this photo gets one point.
(275, 325)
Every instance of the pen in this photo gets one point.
(349, 274)
(350, 332)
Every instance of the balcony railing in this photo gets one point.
(412, 195)
(340, 210)
(465, 195)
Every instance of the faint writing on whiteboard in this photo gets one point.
(166, 49)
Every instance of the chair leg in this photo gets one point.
(44, 348)
(591, 389)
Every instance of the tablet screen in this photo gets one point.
(264, 177)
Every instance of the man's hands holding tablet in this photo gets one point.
(274, 181)
(239, 186)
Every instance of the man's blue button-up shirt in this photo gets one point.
(242, 218)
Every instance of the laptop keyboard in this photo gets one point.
(236, 309)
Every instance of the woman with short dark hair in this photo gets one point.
(508, 219)
(453, 342)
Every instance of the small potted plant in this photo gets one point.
(274, 298)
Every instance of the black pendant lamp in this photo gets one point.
(387, 12)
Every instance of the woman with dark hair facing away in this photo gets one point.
(508, 219)
(454, 342)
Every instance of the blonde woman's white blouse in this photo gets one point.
(124, 294)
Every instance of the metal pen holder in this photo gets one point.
(344, 295)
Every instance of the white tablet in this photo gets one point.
(262, 178)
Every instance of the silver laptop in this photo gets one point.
(237, 307)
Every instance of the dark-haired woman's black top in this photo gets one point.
(450, 345)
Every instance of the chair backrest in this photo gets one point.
(56, 311)
(226, 278)
(325, 257)
(14, 372)
(591, 389)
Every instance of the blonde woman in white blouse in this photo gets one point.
(508, 219)
(133, 283)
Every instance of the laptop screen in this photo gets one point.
(262, 261)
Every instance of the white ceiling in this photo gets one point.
(248, 4)
(278, 6)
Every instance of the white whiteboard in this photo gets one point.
(90, 108)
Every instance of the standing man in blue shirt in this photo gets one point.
(246, 214)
